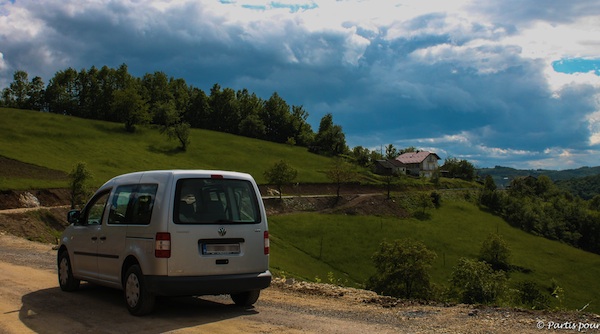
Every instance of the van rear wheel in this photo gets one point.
(245, 299)
(139, 300)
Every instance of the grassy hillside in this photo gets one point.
(308, 245)
(59, 142)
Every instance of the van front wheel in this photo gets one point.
(139, 300)
(245, 299)
(65, 273)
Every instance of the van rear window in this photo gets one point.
(210, 201)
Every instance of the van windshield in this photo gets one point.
(209, 201)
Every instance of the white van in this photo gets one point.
(170, 233)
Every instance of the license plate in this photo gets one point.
(220, 249)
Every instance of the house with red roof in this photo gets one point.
(421, 163)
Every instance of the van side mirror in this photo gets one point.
(73, 216)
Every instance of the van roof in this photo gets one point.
(179, 172)
(189, 171)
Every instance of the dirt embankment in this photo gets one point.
(15, 199)
(38, 214)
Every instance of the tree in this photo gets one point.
(280, 174)
(594, 203)
(495, 251)
(62, 95)
(330, 140)
(390, 179)
(22, 94)
(276, 118)
(545, 187)
(302, 131)
(425, 201)
(225, 111)
(490, 197)
(361, 156)
(36, 94)
(78, 179)
(523, 186)
(181, 132)
(16, 94)
(251, 124)
(173, 125)
(198, 111)
(402, 269)
(131, 107)
(340, 172)
(461, 169)
(156, 91)
(391, 152)
(489, 183)
(476, 282)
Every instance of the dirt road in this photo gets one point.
(31, 301)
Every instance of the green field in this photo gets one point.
(311, 246)
(59, 142)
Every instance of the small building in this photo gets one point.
(420, 163)
(389, 167)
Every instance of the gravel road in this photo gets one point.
(30, 301)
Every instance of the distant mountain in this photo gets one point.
(504, 175)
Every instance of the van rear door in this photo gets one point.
(219, 227)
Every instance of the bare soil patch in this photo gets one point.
(17, 169)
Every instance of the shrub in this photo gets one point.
(496, 252)
(476, 282)
(528, 294)
(402, 269)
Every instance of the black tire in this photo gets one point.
(245, 299)
(65, 273)
(139, 300)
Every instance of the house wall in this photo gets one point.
(413, 169)
(428, 166)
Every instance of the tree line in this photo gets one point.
(115, 95)
(538, 206)
(174, 107)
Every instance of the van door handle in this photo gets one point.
(94, 238)
(102, 238)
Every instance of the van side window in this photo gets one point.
(94, 210)
(209, 201)
(143, 204)
(132, 204)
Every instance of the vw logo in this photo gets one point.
(222, 231)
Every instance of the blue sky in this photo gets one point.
(508, 83)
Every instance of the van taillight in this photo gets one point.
(163, 245)
(267, 243)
